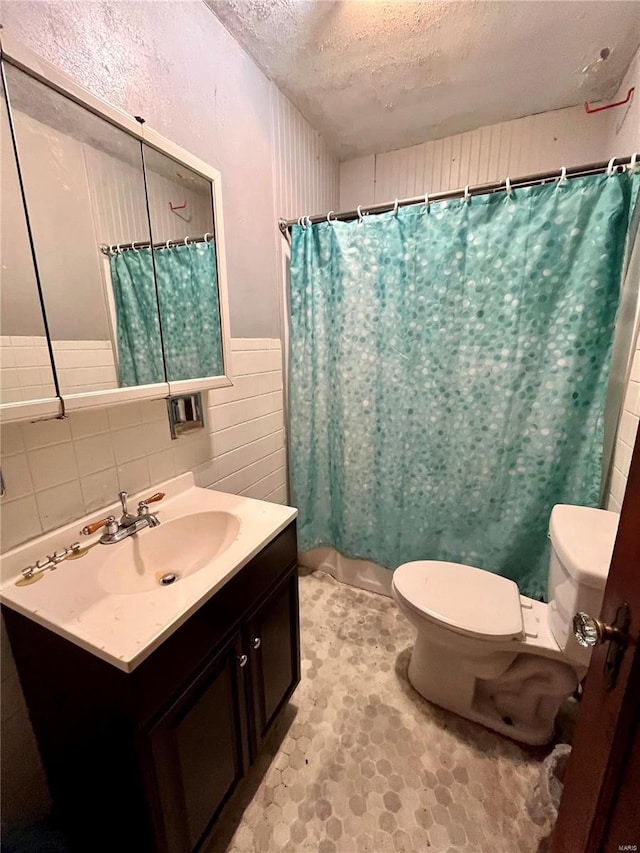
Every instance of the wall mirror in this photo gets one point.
(181, 208)
(128, 242)
(27, 381)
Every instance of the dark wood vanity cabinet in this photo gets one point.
(145, 761)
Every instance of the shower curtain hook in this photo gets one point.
(329, 219)
(187, 241)
(395, 207)
(633, 162)
(610, 167)
(118, 249)
(563, 176)
(207, 234)
(166, 245)
(360, 214)
(427, 201)
(507, 185)
(466, 196)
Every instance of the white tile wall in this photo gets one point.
(25, 369)
(81, 366)
(84, 366)
(56, 471)
(59, 470)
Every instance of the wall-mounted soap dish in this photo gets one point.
(185, 414)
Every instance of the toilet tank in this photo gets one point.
(582, 540)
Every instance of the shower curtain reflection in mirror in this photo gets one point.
(188, 332)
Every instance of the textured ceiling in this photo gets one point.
(374, 75)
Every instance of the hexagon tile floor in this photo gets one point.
(361, 764)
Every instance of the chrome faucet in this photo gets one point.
(116, 531)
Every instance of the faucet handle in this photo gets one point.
(109, 522)
(153, 498)
(123, 501)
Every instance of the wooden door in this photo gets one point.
(200, 750)
(273, 640)
(600, 806)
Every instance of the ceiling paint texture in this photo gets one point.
(375, 75)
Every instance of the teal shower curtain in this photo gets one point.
(138, 326)
(189, 310)
(187, 285)
(448, 370)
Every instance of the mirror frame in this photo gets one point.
(14, 53)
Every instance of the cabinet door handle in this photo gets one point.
(242, 660)
(256, 642)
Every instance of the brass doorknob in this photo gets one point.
(590, 631)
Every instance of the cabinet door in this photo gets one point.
(274, 648)
(199, 750)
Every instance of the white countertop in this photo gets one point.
(123, 629)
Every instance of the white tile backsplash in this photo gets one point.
(98, 489)
(94, 453)
(60, 505)
(60, 469)
(51, 466)
(43, 433)
(20, 521)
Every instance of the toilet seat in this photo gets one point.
(467, 600)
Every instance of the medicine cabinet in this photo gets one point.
(113, 273)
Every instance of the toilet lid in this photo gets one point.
(467, 600)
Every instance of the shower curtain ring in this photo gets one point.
(466, 196)
(118, 249)
(187, 241)
(133, 246)
(166, 245)
(563, 176)
(329, 219)
(360, 215)
(207, 234)
(610, 167)
(507, 185)
(633, 162)
(395, 207)
(427, 201)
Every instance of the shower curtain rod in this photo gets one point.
(479, 189)
(145, 244)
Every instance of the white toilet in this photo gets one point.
(494, 656)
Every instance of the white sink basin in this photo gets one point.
(174, 550)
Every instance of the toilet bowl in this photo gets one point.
(497, 657)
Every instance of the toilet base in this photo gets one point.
(518, 695)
